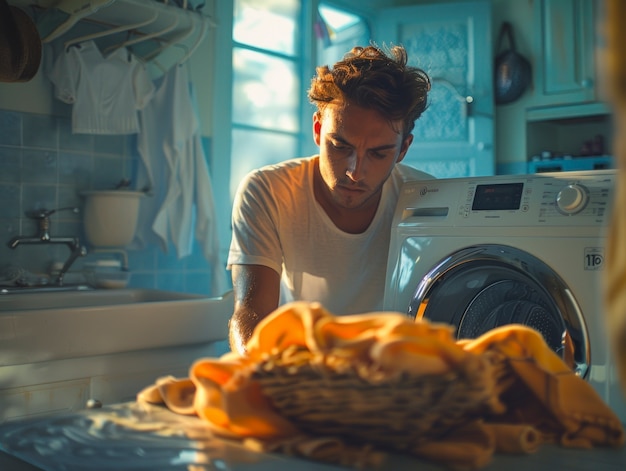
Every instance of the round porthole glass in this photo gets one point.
(483, 287)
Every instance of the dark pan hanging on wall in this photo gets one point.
(512, 70)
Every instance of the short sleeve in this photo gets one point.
(255, 238)
(65, 75)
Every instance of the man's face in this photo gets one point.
(358, 150)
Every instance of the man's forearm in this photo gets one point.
(241, 328)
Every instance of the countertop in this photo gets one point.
(101, 439)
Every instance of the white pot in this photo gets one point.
(110, 217)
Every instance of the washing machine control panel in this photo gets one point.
(542, 199)
(497, 196)
(572, 199)
(523, 200)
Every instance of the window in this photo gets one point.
(267, 89)
(337, 31)
(270, 76)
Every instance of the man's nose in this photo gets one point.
(355, 170)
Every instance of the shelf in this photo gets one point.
(601, 162)
(567, 111)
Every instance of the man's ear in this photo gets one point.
(406, 143)
(317, 127)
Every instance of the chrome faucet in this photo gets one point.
(42, 216)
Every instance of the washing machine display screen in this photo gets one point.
(497, 196)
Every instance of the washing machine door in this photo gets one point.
(482, 287)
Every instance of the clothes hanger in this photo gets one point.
(203, 28)
(119, 29)
(179, 40)
(144, 37)
(77, 11)
(167, 43)
(153, 61)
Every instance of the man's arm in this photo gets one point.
(257, 292)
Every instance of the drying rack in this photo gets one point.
(148, 26)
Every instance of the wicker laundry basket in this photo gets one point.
(396, 413)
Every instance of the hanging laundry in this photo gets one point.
(174, 168)
(105, 92)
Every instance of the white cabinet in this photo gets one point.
(43, 399)
(564, 66)
(66, 385)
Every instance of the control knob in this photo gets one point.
(572, 199)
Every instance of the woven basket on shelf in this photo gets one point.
(396, 413)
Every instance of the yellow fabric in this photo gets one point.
(539, 396)
(557, 402)
(614, 58)
(514, 438)
(468, 447)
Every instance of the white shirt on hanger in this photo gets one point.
(106, 92)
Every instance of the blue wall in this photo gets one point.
(44, 165)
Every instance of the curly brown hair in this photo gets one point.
(370, 78)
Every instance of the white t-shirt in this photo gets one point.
(278, 223)
(105, 92)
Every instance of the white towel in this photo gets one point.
(175, 168)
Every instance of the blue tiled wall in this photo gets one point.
(44, 165)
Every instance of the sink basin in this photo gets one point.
(58, 298)
(42, 326)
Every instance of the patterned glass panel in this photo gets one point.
(442, 51)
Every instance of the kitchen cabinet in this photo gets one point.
(43, 399)
(564, 66)
(566, 111)
(56, 387)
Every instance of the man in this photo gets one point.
(318, 228)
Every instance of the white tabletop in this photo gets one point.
(80, 441)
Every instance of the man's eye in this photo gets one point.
(338, 146)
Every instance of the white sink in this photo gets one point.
(42, 326)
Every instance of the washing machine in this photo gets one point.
(481, 252)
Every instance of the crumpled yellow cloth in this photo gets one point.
(546, 394)
(535, 397)
(614, 286)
